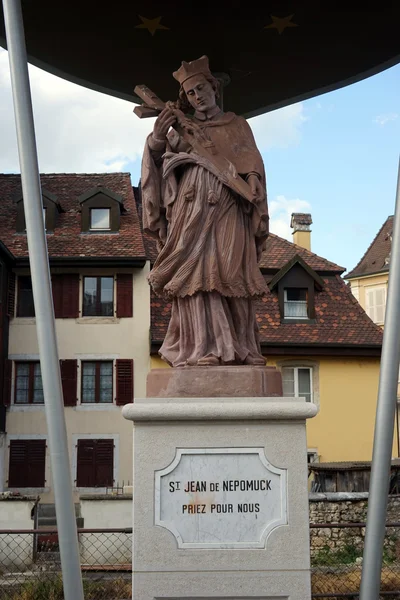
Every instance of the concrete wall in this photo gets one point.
(87, 338)
(346, 391)
(16, 550)
(110, 512)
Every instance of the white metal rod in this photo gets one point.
(384, 425)
(41, 285)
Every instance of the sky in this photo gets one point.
(334, 156)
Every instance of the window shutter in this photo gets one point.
(27, 463)
(70, 296)
(380, 304)
(7, 382)
(124, 381)
(69, 374)
(124, 295)
(85, 464)
(104, 463)
(11, 295)
(37, 463)
(56, 282)
(369, 303)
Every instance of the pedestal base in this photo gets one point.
(214, 382)
(220, 499)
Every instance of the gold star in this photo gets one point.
(151, 24)
(280, 23)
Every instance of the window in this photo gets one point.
(28, 383)
(25, 306)
(95, 463)
(97, 382)
(295, 303)
(375, 303)
(100, 218)
(27, 463)
(297, 381)
(98, 296)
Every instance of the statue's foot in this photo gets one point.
(254, 360)
(208, 361)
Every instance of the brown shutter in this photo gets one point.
(56, 282)
(124, 381)
(11, 295)
(104, 463)
(124, 295)
(27, 463)
(7, 382)
(85, 463)
(70, 296)
(69, 376)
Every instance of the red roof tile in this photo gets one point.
(373, 260)
(67, 239)
(340, 320)
(279, 251)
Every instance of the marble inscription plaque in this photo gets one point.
(220, 497)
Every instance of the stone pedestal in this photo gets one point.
(220, 501)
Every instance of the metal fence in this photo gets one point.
(336, 560)
(30, 566)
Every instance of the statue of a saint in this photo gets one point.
(210, 239)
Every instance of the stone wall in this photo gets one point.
(347, 508)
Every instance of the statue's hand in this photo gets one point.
(256, 187)
(164, 121)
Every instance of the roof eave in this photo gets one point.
(89, 261)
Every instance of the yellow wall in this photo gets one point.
(302, 238)
(346, 390)
(358, 285)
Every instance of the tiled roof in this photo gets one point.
(279, 251)
(67, 239)
(373, 260)
(340, 320)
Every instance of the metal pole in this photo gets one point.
(384, 425)
(45, 326)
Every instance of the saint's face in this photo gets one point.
(200, 93)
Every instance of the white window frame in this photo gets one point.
(371, 309)
(296, 379)
(299, 303)
(91, 228)
(74, 462)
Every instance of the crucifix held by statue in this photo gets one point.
(204, 201)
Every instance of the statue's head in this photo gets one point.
(199, 88)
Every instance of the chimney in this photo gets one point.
(300, 222)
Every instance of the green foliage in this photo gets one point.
(51, 588)
(346, 555)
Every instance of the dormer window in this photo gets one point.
(101, 211)
(295, 285)
(100, 218)
(295, 303)
(50, 206)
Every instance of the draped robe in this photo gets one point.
(210, 240)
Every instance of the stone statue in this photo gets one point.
(209, 237)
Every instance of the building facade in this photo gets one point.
(101, 304)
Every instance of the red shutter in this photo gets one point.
(104, 463)
(27, 463)
(11, 295)
(70, 296)
(124, 381)
(56, 283)
(124, 295)
(85, 464)
(7, 382)
(69, 376)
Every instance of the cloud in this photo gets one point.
(383, 119)
(280, 128)
(280, 211)
(80, 130)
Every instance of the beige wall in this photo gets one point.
(346, 391)
(96, 338)
(359, 285)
